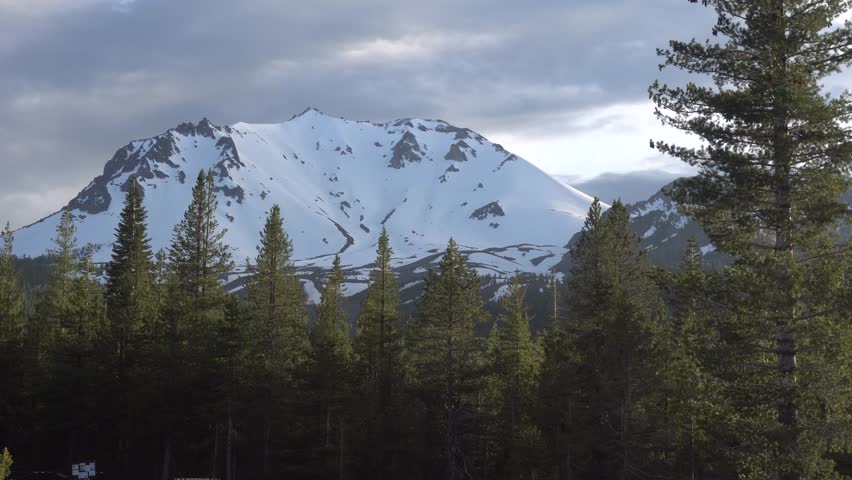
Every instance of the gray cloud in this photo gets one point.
(80, 81)
(629, 187)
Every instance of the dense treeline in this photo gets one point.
(744, 372)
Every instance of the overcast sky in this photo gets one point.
(562, 83)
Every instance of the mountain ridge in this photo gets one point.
(339, 182)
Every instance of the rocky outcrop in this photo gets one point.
(492, 209)
(405, 151)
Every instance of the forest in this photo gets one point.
(154, 371)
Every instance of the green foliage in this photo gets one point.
(378, 370)
(331, 364)
(279, 319)
(514, 360)
(55, 307)
(72, 307)
(11, 298)
(608, 351)
(198, 256)
(331, 349)
(13, 358)
(774, 162)
(279, 347)
(445, 356)
(129, 290)
(5, 464)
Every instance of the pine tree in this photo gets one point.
(54, 310)
(378, 369)
(608, 352)
(74, 354)
(131, 311)
(278, 330)
(11, 298)
(68, 321)
(5, 464)
(277, 299)
(514, 359)
(198, 255)
(14, 362)
(557, 401)
(160, 278)
(446, 356)
(332, 362)
(129, 285)
(773, 165)
(694, 409)
(191, 322)
(231, 389)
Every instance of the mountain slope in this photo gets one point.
(338, 182)
(665, 231)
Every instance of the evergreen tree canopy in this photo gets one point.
(198, 256)
(446, 355)
(332, 362)
(332, 351)
(64, 265)
(776, 149)
(11, 298)
(775, 159)
(129, 289)
(378, 367)
(277, 300)
(604, 355)
(514, 359)
(5, 464)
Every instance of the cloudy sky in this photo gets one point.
(562, 83)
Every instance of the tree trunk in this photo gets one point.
(266, 448)
(340, 453)
(214, 458)
(229, 452)
(327, 426)
(785, 340)
(167, 459)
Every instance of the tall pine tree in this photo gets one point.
(198, 255)
(193, 317)
(11, 297)
(332, 364)
(514, 359)
(129, 289)
(446, 361)
(13, 358)
(54, 309)
(774, 162)
(280, 346)
(610, 376)
(131, 312)
(378, 369)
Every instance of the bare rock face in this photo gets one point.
(93, 199)
(204, 128)
(456, 153)
(406, 150)
(492, 209)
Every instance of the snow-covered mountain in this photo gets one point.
(338, 182)
(665, 231)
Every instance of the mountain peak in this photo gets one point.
(332, 180)
(204, 128)
(309, 111)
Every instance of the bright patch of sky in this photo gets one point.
(615, 139)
